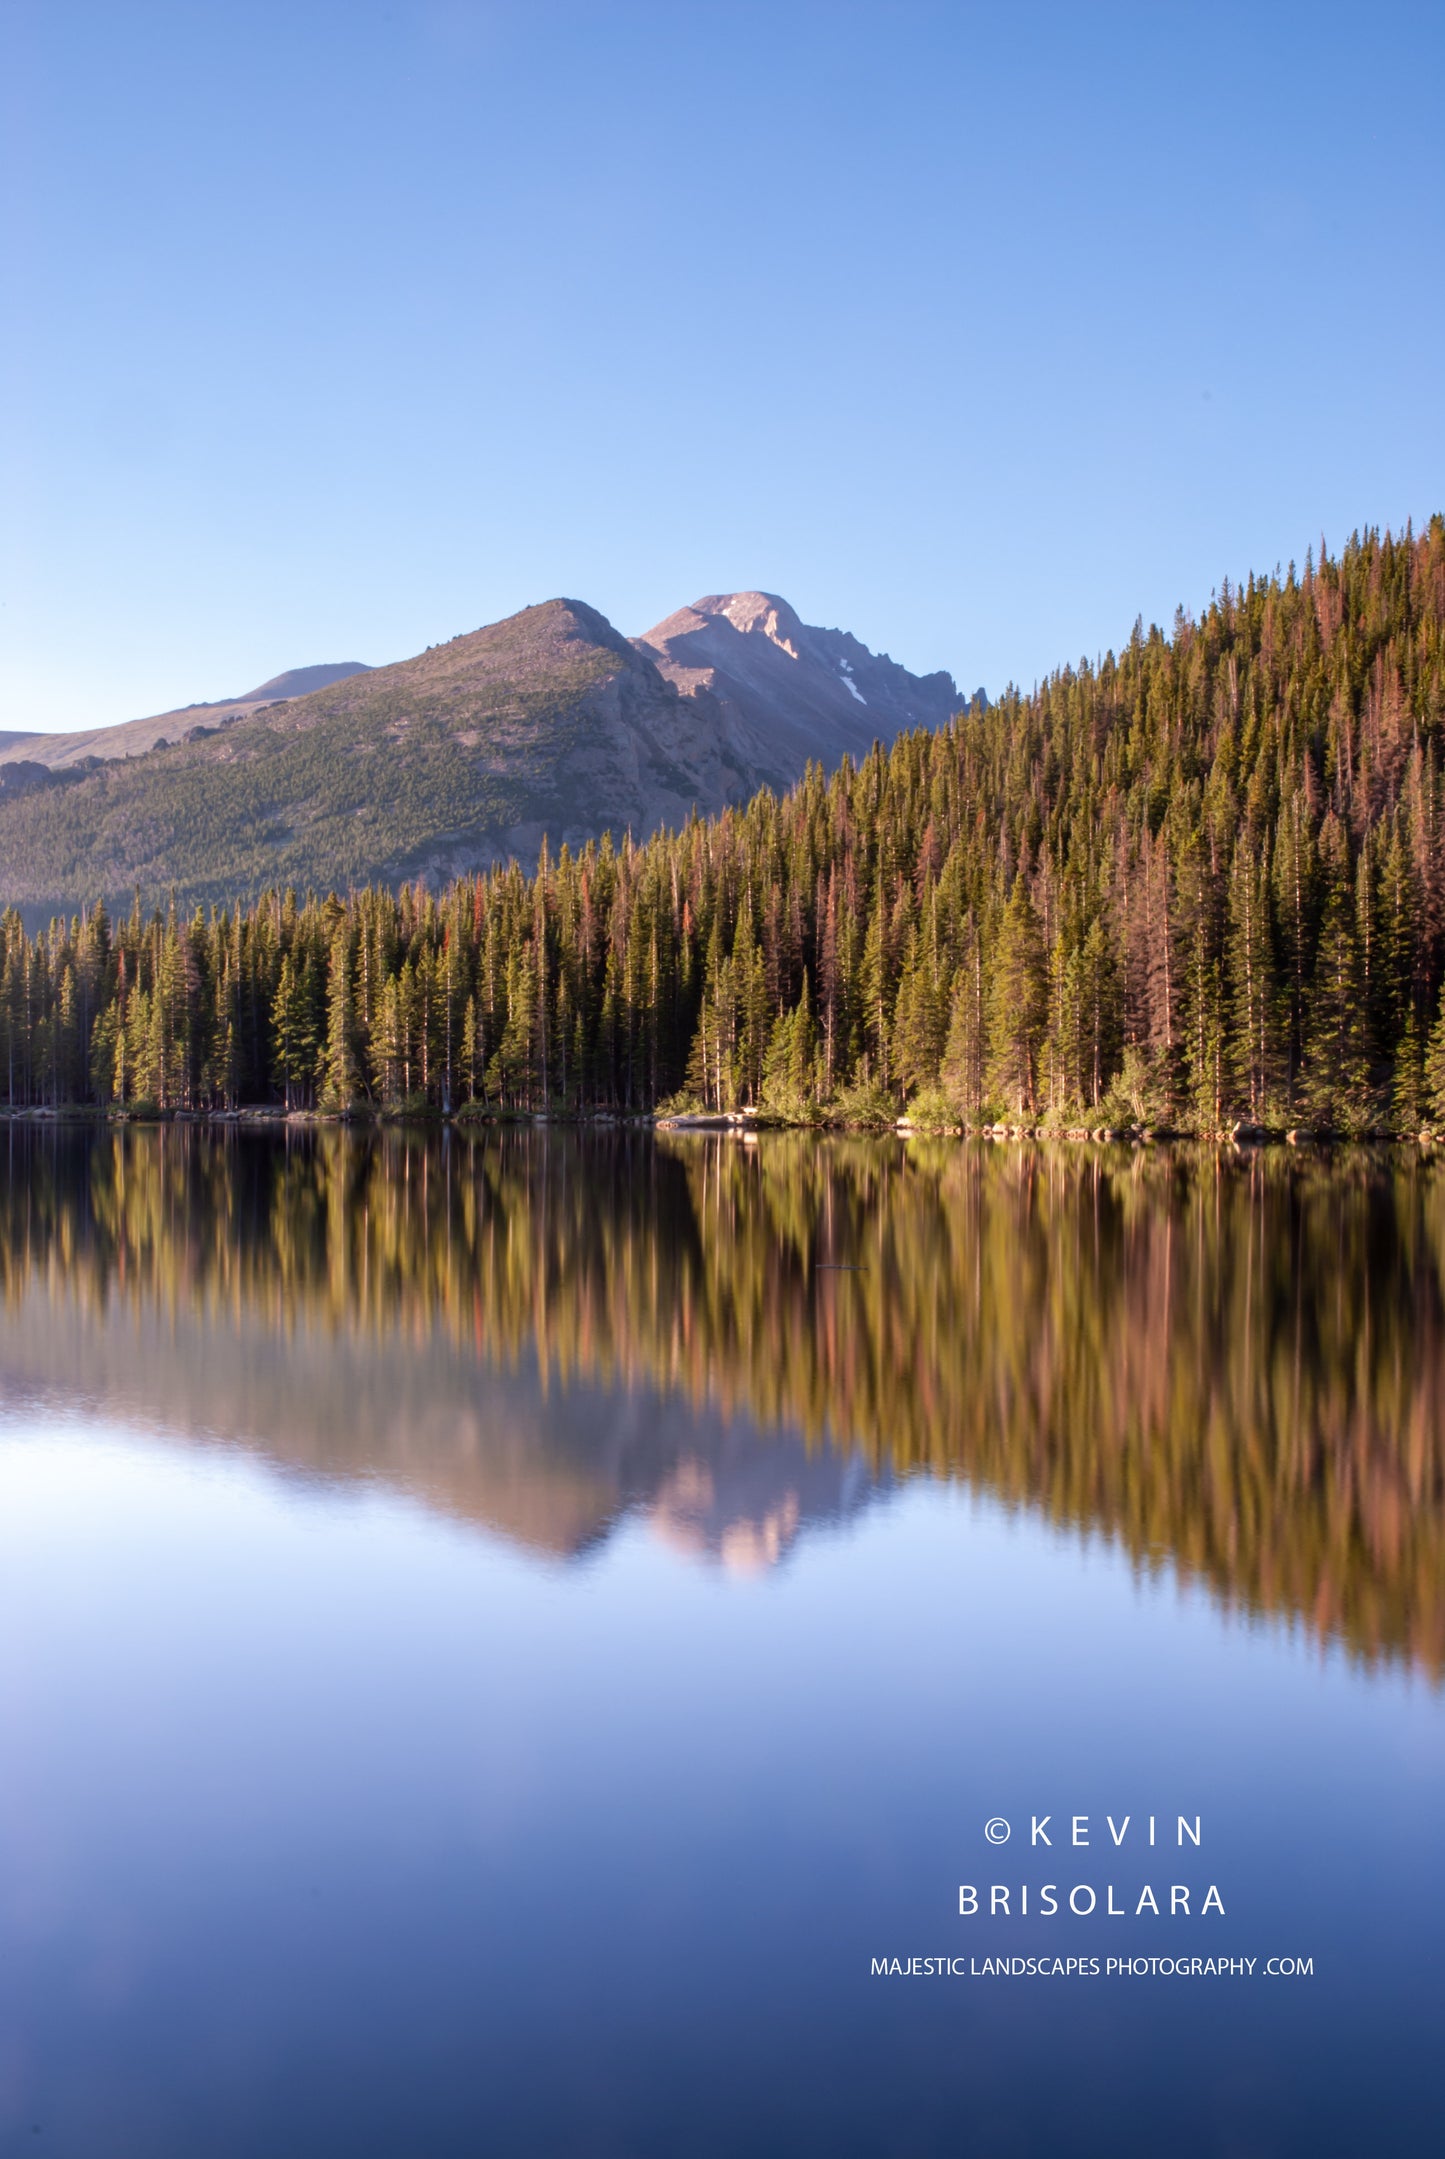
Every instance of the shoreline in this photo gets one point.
(740, 1124)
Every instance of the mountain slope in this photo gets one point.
(300, 681)
(131, 738)
(789, 691)
(550, 722)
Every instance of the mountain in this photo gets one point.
(131, 738)
(789, 692)
(555, 1469)
(550, 722)
(300, 681)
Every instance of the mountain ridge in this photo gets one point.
(550, 722)
(157, 730)
(824, 693)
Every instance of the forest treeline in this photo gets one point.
(1199, 882)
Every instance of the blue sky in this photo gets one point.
(335, 330)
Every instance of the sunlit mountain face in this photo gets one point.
(1232, 1367)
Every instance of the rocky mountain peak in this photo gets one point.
(790, 691)
(759, 613)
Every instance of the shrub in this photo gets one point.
(932, 1111)
(865, 1105)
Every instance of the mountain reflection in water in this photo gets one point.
(1232, 1364)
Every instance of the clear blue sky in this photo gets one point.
(333, 330)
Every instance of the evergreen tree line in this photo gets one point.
(1198, 882)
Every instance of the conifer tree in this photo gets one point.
(1408, 1100)
(1018, 1004)
(1337, 1076)
(965, 1049)
(293, 1020)
(342, 1086)
(1434, 1073)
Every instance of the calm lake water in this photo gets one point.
(497, 1638)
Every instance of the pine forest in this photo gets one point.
(1197, 885)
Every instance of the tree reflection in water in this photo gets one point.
(1232, 1364)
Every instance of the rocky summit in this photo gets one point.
(790, 692)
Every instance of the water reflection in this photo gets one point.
(1233, 1365)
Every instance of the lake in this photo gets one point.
(511, 1645)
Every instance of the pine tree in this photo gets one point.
(965, 1047)
(1434, 1074)
(1253, 976)
(1017, 1004)
(1408, 1099)
(790, 1064)
(918, 1023)
(342, 1086)
(293, 1019)
(1336, 1068)
(474, 1053)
